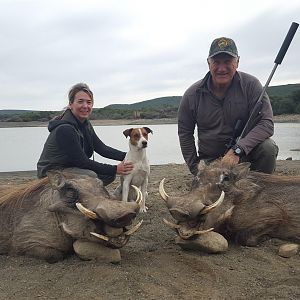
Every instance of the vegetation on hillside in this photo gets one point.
(285, 100)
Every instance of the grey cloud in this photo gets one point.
(47, 47)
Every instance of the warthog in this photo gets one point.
(45, 217)
(251, 206)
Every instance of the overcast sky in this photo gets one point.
(129, 51)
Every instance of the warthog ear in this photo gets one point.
(127, 132)
(56, 179)
(241, 170)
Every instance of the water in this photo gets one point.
(21, 147)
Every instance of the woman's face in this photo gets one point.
(82, 106)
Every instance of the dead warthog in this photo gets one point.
(251, 206)
(45, 217)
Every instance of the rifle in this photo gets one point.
(256, 111)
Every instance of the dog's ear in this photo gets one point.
(127, 132)
(148, 130)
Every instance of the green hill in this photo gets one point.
(172, 101)
(285, 99)
(10, 112)
(279, 91)
(283, 90)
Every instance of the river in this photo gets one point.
(21, 147)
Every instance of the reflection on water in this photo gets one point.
(21, 147)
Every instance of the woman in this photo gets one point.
(72, 141)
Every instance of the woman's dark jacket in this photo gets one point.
(71, 144)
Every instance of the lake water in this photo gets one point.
(21, 147)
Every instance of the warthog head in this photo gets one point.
(203, 208)
(85, 210)
(243, 205)
(190, 210)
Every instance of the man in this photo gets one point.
(224, 98)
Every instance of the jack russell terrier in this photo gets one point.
(139, 176)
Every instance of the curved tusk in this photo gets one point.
(203, 231)
(66, 229)
(100, 236)
(171, 224)
(134, 228)
(228, 212)
(88, 213)
(162, 191)
(139, 197)
(226, 215)
(208, 208)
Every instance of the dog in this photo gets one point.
(139, 176)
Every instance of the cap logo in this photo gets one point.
(223, 43)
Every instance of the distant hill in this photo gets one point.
(10, 112)
(285, 99)
(172, 101)
(283, 90)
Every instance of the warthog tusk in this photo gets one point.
(227, 214)
(100, 236)
(90, 214)
(162, 191)
(208, 208)
(171, 224)
(139, 196)
(66, 229)
(133, 229)
(203, 231)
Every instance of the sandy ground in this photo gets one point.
(152, 266)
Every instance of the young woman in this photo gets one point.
(72, 140)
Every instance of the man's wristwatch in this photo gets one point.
(238, 151)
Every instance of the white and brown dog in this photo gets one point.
(139, 176)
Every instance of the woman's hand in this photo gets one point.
(124, 168)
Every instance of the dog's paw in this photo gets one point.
(143, 209)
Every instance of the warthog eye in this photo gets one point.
(224, 177)
(70, 194)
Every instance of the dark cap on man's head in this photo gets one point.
(223, 45)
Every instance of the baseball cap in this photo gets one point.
(223, 45)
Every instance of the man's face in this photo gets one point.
(222, 68)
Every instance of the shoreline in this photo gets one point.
(277, 119)
(282, 165)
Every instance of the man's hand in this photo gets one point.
(124, 168)
(230, 159)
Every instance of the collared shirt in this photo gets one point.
(216, 119)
